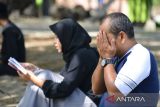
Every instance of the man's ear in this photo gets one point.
(122, 36)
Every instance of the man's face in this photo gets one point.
(105, 26)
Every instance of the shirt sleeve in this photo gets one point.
(72, 79)
(134, 71)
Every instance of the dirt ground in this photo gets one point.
(40, 52)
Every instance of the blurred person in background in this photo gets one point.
(12, 42)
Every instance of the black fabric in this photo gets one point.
(12, 46)
(3, 11)
(71, 35)
(82, 62)
(7, 70)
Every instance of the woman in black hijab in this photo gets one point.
(81, 59)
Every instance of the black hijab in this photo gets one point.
(71, 35)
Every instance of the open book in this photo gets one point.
(16, 65)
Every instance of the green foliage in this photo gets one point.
(156, 2)
(139, 10)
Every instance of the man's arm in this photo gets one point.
(98, 85)
(103, 80)
(109, 78)
(107, 50)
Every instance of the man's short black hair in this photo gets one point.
(3, 11)
(120, 22)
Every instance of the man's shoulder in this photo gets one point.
(11, 28)
(139, 50)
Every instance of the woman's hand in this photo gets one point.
(29, 66)
(30, 76)
(106, 47)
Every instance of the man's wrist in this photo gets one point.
(108, 66)
(106, 61)
(107, 57)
